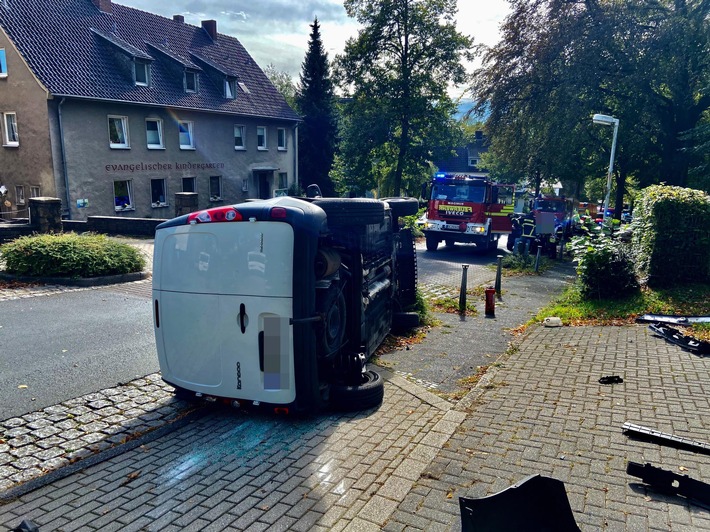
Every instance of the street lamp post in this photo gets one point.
(607, 120)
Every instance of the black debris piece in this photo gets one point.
(671, 483)
(675, 336)
(26, 526)
(611, 379)
(639, 432)
(674, 320)
(533, 504)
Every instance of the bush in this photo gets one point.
(69, 255)
(670, 242)
(604, 267)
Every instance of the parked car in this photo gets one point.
(283, 301)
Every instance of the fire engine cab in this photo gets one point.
(467, 209)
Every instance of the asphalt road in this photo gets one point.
(64, 345)
(60, 346)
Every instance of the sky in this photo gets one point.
(276, 31)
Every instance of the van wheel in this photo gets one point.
(183, 394)
(403, 206)
(431, 243)
(352, 211)
(332, 329)
(367, 394)
(404, 321)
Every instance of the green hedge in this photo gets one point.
(605, 269)
(70, 255)
(671, 235)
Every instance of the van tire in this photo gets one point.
(404, 321)
(351, 398)
(431, 242)
(352, 211)
(403, 206)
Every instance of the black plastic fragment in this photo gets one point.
(668, 482)
(639, 432)
(675, 336)
(26, 526)
(611, 379)
(535, 503)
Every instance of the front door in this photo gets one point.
(265, 179)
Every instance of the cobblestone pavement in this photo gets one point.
(539, 409)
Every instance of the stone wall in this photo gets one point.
(45, 217)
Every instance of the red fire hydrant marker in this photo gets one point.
(490, 301)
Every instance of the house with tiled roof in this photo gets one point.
(466, 159)
(114, 110)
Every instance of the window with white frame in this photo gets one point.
(281, 136)
(154, 133)
(35, 191)
(239, 141)
(472, 161)
(10, 137)
(188, 184)
(3, 63)
(19, 195)
(283, 180)
(230, 88)
(215, 188)
(158, 194)
(123, 195)
(187, 142)
(261, 138)
(190, 81)
(118, 132)
(141, 72)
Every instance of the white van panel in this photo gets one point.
(204, 349)
(217, 287)
(226, 258)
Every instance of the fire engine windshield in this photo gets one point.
(458, 192)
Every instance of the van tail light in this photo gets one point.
(218, 214)
(278, 213)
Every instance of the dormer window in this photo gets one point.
(230, 88)
(190, 81)
(142, 73)
(3, 63)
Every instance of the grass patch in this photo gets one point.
(451, 305)
(517, 264)
(685, 300)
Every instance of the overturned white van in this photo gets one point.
(281, 302)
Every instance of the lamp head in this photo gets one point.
(605, 120)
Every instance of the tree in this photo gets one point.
(397, 71)
(644, 62)
(315, 101)
(283, 83)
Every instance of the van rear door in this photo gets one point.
(224, 299)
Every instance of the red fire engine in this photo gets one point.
(469, 209)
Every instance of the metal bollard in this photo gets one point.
(499, 273)
(490, 302)
(537, 259)
(462, 295)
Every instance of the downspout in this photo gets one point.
(64, 159)
(295, 156)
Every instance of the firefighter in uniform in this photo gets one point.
(528, 228)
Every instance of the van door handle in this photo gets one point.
(242, 317)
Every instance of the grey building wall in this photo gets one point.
(93, 166)
(30, 163)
